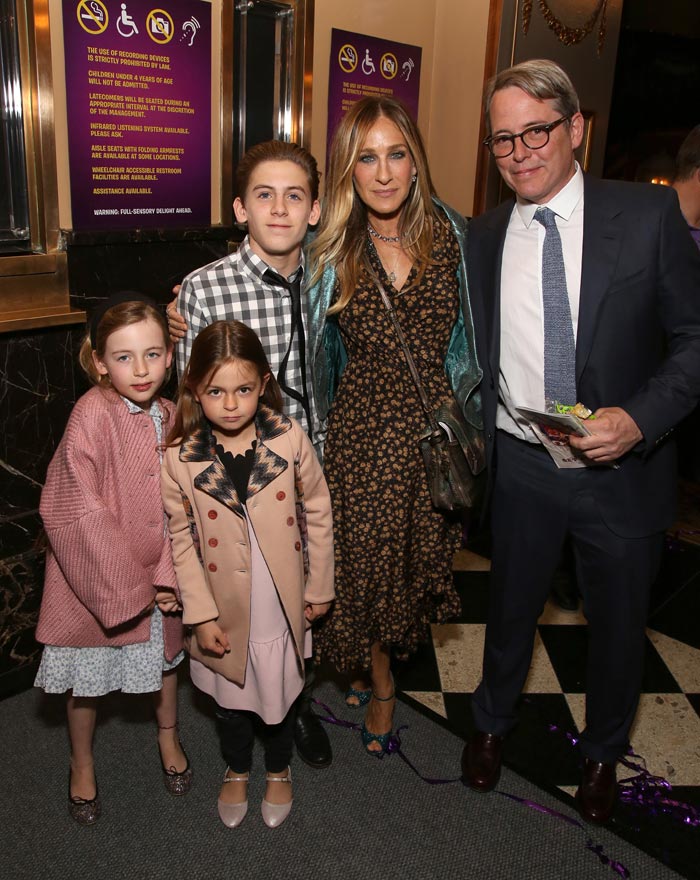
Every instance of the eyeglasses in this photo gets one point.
(534, 138)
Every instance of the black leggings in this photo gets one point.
(236, 731)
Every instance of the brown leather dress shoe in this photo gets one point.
(597, 793)
(481, 761)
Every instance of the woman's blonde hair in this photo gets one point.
(114, 318)
(220, 343)
(343, 228)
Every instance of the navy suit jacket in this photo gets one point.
(638, 339)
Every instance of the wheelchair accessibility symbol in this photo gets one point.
(368, 67)
(126, 24)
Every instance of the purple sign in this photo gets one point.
(138, 85)
(362, 66)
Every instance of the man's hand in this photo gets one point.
(177, 326)
(613, 434)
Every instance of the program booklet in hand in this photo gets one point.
(553, 431)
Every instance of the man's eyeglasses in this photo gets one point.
(534, 138)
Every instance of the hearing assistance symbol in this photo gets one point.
(92, 16)
(189, 30)
(407, 69)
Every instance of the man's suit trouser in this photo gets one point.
(535, 505)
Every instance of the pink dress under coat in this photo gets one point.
(273, 679)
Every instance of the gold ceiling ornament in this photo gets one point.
(569, 36)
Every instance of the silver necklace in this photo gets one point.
(392, 274)
(389, 238)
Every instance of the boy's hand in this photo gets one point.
(314, 612)
(177, 326)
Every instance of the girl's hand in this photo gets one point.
(313, 612)
(167, 601)
(177, 326)
(211, 638)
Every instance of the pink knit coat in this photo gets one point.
(103, 515)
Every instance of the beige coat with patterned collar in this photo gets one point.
(289, 508)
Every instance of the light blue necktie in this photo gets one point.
(559, 343)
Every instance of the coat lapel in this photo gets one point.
(602, 239)
(267, 464)
(214, 479)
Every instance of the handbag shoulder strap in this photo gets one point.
(407, 354)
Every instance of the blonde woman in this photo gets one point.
(393, 549)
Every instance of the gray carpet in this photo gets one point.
(361, 818)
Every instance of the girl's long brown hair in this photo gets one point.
(218, 344)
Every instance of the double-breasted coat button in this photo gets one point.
(212, 566)
(212, 514)
(290, 520)
(297, 546)
(281, 496)
(213, 542)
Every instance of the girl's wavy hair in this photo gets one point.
(343, 227)
(121, 315)
(220, 343)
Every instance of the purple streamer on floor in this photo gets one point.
(394, 748)
(645, 791)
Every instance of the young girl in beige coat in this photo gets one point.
(250, 523)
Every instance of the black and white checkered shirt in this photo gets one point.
(233, 288)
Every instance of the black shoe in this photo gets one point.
(311, 739)
(481, 761)
(597, 794)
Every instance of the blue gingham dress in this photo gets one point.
(92, 672)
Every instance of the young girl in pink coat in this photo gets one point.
(108, 616)
(251, 529)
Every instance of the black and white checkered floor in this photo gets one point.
(442, 677)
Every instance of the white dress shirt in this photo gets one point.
(521, 381)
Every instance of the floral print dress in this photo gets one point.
(393, 550)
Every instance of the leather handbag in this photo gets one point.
(453, 451)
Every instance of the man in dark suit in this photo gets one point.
(584, 291)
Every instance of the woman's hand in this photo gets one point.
(211, 638)
(177, 326)
(314, 612)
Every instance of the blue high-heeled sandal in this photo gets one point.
(382, 738)
(362, 696)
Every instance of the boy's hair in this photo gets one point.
(688, 158)
(276, 151)
(114, 318)
(218, 344)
